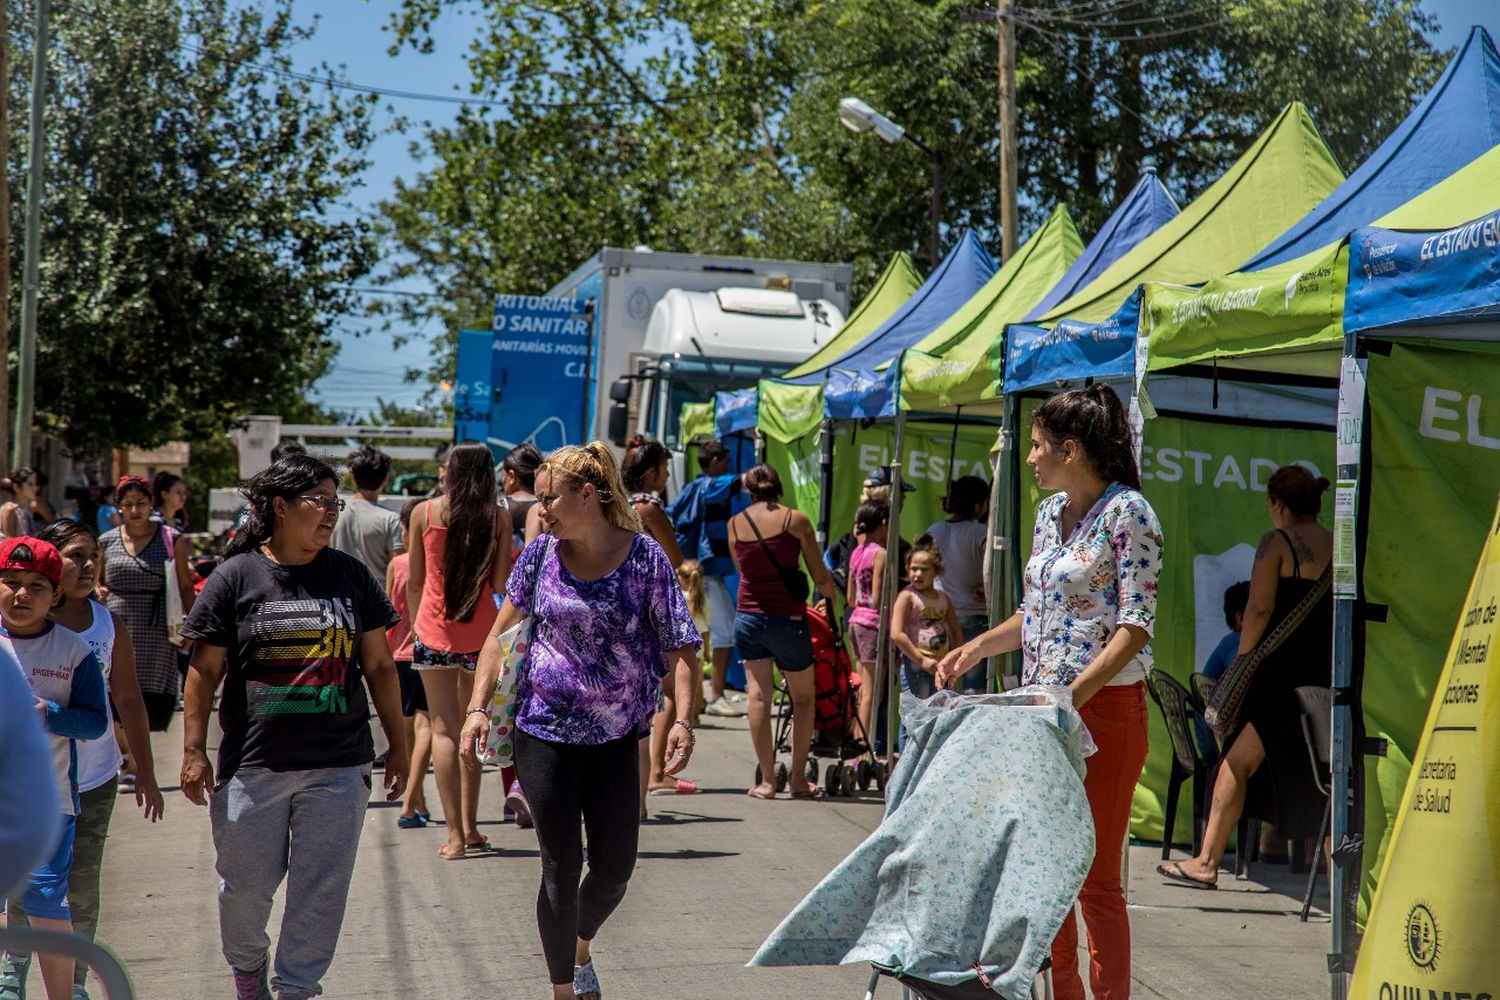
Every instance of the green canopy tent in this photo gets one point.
(789, 415)
(951, 367)
(1283, 175)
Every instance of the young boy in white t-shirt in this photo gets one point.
(68, 687)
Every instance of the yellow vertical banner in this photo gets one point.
(1434, 927)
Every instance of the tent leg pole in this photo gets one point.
(1343, 755)
(825, 491)
(1001, 551)
(886, 676)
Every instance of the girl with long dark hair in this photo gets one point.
(518, 481)
(644, 474)
(295, 629)
(16, 517)
(135, 556)
(1086, 618)
(169, 495)
(460, 554)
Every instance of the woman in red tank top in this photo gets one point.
(459, 557)
(770, 622)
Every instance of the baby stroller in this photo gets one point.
(837, 733)
(959, 896)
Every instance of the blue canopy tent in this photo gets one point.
(1144, 210)
(1456, 123)
(854, 388)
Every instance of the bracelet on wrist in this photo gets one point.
(684, 725)
(483, 711)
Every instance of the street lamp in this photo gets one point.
(859, 117)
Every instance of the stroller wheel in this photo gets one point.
(831, 780)
(846, 780)
(783, 776)
(880, 775)
(862, 775)
(812, 771)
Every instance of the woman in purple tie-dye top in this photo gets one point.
(610, 625)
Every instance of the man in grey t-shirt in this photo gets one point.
(366, 530)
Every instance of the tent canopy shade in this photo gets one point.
(1147, 208)
(1290, 318)
(1282, 176)
(894, 286)
(962, 273)
(1455, 123)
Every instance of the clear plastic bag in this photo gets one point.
(916, 712)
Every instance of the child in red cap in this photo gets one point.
(68, 686)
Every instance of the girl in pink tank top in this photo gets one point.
(459, 553)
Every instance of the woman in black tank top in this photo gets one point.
(1266, 772)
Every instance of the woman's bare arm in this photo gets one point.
(1265, 575)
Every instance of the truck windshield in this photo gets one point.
(696, 380)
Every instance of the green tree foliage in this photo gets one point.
(189, 271)
(710, 125)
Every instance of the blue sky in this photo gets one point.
(353, 37)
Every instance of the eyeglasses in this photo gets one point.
(327, 503)
(545, 500)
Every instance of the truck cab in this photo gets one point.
(699, 343)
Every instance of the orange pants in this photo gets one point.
(1116, 718)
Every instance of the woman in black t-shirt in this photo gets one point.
(292, 626)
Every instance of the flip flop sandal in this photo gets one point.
(415, 822)
(816, 793)
(764, 798)
(586, 980)
(1172, 872)
(683, 787)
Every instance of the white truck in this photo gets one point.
(676, 328)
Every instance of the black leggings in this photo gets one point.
(601, 784)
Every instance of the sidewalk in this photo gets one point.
(718, 871)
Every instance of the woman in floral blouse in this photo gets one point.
(1085, 622)
(610, 627)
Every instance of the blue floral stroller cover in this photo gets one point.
(985, 843)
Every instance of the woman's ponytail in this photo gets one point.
(1095, 418)
(594, 463)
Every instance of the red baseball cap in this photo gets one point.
(25, 552)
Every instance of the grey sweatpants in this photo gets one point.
(301, 826)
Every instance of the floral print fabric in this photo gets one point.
(986, 840)
(598, 647)
(1081, 589)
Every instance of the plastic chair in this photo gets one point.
(1317, 728)
(1174, 700)
(1203, 689)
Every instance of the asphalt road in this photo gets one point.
(717, 872)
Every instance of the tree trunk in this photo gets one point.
(5, 243)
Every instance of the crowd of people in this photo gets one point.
(325, 606)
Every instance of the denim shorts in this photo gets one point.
(774, 637)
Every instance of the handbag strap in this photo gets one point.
(771, 555)
(1270, 643)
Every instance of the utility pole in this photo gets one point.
(30, 275)
(1006, 66)
(4, 236)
